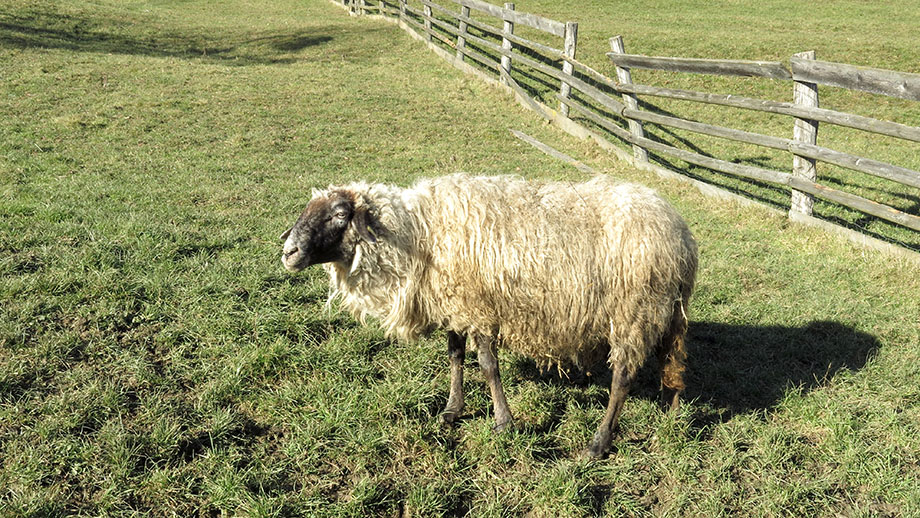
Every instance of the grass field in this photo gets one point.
(156, 360)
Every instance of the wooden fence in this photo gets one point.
(465, 35)
(805, 74)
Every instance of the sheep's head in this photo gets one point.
(328, 230)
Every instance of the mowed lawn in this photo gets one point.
(156, 360)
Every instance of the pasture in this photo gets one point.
(156, 360)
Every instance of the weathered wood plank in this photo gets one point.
(830, 156)
(856, 202)
(874, 80)
(869, 166)
(708, 129)
(507, 28)
(464, 18)
(441, 8)
(426, 28)
(725, 67)
(603, 122)
(632, 103)
(569, 48)
(550, 52)
(522, 95)
(600, 97)
(804, 131)
(461, 30)
(795, 182)
(573, 128)
(427, 10)
(530, 20)
(760, 174)
(744, 171)
(848, 120)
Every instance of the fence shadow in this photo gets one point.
(106, 34)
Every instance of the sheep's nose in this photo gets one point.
(290, 251)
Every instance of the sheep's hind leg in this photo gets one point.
(672, 375)
(672, 358)
(488, 362)
(456, 350)
(619, 388)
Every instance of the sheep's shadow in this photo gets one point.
(737, 369)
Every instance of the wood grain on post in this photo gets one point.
(806, 132)
(507, 28)
(631, 102)
(461, 35)
(427, 11)
(570, 40)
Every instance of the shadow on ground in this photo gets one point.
(749, 368)
(127, 33)
(736, 369)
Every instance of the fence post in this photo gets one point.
(427, 11)
(461, 33)
(805, 131)
(402, 9)
(361, 5)
(570, 39)
(624, 76)
(507, 28)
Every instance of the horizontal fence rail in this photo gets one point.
(727, 67)
(804, 72)
(537, 22)
(873, 80)
(502, 56)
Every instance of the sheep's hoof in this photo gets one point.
(598, 449)
(592, 453)
(449, 417)
(505, 426)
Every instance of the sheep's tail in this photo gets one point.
(672, 356)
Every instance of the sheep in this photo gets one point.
(563, 273)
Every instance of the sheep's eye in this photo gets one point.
(339, 216)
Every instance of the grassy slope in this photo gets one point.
(154, 358)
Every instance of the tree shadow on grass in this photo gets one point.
(134, 35)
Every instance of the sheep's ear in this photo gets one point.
(286, 233)
(360, 221)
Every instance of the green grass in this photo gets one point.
(155, 359)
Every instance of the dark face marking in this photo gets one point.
(320, 234)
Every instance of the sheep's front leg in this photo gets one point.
(456, 350)
(488, 362)
(619, 388)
